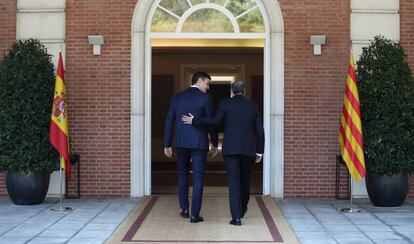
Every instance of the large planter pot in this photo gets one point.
(387, 191)
(27, 188)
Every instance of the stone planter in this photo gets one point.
(27, 188)
(387, 191)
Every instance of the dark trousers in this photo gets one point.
(198, 160)
(238, 172)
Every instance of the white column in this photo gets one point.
(45, 21)
(274, 100)
(277, 114)
(140, 100)
(138, 115)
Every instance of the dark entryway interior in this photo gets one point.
(171, 73)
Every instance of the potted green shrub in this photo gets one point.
(387, 102)
(26, 94)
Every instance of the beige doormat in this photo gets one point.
(156, 220)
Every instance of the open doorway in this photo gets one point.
(270, 34)
(172, 68)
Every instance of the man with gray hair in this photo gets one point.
(243, 144)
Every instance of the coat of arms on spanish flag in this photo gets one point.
(59, 126)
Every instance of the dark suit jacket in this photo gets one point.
(194, 101)
(243, 129)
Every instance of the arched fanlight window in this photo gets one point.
(208, 16)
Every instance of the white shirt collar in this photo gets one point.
(196, 86)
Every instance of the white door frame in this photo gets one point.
(141, 98)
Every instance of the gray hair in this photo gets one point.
(238, 88)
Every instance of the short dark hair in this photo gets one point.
(238, 87)
(199, 74)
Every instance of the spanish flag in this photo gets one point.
(59, 127)
(350, 132)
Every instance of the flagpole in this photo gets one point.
(354, 164)
(61, 208)
(351, 209)
(59, 129)
(350, 197)
(60, 190)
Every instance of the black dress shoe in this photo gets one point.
(196, 219)
(185, 214)
(235, 222)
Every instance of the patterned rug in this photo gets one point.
(156, 220)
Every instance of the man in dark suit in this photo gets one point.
(243, 144)
(191, 142)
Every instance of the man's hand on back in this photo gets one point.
(187, 119)
(214, 151)
(168, 151)
(258, 158)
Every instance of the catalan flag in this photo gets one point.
(350, 132)
(59, 127)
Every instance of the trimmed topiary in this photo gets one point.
(26, 95)
(386, 90)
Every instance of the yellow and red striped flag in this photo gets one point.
(59, 126)
(350, 132)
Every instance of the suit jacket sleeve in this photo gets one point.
(169, 123)
(213, 129)
(259, 134)
(211, 120)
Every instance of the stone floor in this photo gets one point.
(314, 221)
(91, 221)
(319, 221)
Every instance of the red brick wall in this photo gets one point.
(91, 83)
(99, 90)
(7, 37)
(7, 25)
(99, 94)
(314, 87)
(407, 41)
